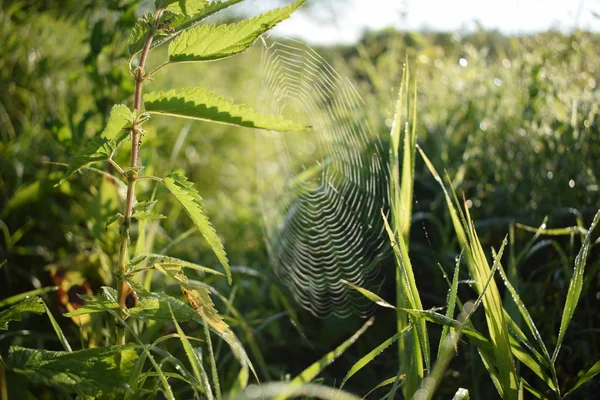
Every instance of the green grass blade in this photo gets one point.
(450, 305)
(213, 362)
(59, 333)
(364, 361)
(369, 295)
(479, 269)
(575, 286)
(199, 372)
(315, 369)
(381, 384)
(22, 296)
(415, 349)
(590, 373)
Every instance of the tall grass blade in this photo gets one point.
(213, 362)
(315, 369)
(59, 333)
(199, 372)
(415, 348)
(575, 286)
(450, 305)
(479, 269)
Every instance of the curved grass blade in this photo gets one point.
(381, 384)
(590, 373)
(575, 286)
(59, 333)
(364, 361)
(22, 296)
(315, 369)
(479, 269)
(199, 372)
(369, 295)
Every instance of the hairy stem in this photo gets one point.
(123, 288)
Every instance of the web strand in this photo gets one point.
(322, 191)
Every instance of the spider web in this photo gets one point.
(322, 191)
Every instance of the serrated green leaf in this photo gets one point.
(97, 149)
(145, 215)
(101, 147)
(145, 206)
(89, 372)
(191, 201)
(120, 118)
(200, 104)
(114, 218)
(32, 304)
(212, 42)
(171, 25)
(575, 286)
(185, 7)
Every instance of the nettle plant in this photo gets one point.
(118, 369)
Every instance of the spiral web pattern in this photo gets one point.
(323, 190)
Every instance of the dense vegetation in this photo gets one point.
(513, 120)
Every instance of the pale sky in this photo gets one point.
(322, 26)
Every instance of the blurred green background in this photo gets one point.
(513, 119)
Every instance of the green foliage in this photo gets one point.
(212, 42)
(313, 370)
(32, 304)
(190, 199)
(173, 22)
(198, 103)
(575, 286)
(64, 65)
(88, 372)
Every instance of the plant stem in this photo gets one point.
(123, 288)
